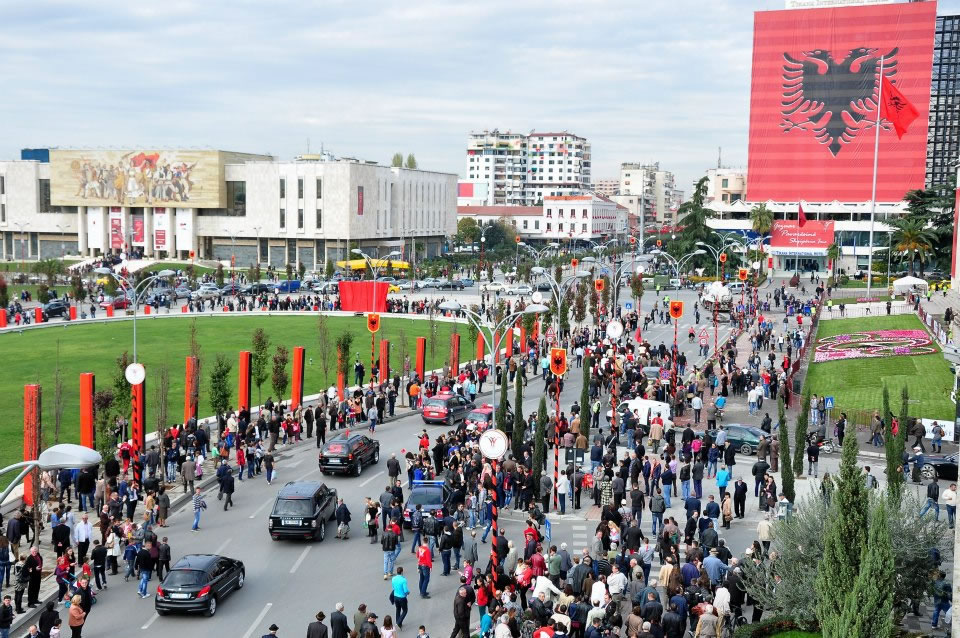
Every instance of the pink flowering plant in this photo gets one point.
(872, 344)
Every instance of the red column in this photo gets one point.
(384, 360)
(421, 361)
(38, 315)
(480, 346)
(523, 340)
(87, 390)
(3, 317)
(146, 309)
(340, 379)
(189, 402)
(296, 392)
(31, 435)
(496, 344)
(243, 381)
(73, 313)
(138, 426)
(110, 310)
(454, 354)
(509, 345)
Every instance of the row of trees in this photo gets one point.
(398, 162)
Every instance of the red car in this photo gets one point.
(480, 418)
(117, 302)
(446, 409)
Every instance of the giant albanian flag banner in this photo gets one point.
(363, 296)
(813, 101)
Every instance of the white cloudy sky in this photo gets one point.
(644, 80)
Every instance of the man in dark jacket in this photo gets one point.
(461, 614)
(227, 486)
(339, 628)
(308, 419)
(739, 498)
(343, 521)
(60, 537)
(673, 624)
(317, 629)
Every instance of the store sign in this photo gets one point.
(787, 237)
(161, 226)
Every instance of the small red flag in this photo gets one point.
(896, 108)
(636, 336)
(802, 218)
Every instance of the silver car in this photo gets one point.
(206, 291)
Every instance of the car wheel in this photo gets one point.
(746, 449)
(928, 471)
(162, 612)
(212, 607)
(240, 580)
(376, 456)
(321, 530)
(357, 468)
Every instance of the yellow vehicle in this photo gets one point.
(393, 288)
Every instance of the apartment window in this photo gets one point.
(560, 213)
(724, 182)
(3, 213)
(319, 191)
(299, 188)
(549, 213)
(560, 227)
(319, 218)
(584, 228)
(283, 217)
(300, 218)
(44, 195)
(3, 185)
(525, 224)
(536, 224)
(236, 199)
(548, 227)
(283, 188)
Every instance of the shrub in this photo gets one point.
(769, 627)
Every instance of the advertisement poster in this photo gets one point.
(138, 229)
(184, 229)
(788, 237)
(160, 226)
(813, 101)
(359, 200)
(116, 231)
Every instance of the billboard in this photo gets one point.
(788, 237)
(136, 178)
(813, 101)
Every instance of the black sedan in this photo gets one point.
(450, 284)
(347, 454)
(256, 289)
(197, 583)
(944, 466)
(56, 308)
(744, 438)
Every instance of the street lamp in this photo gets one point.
(233, 258)
(21, 226)
(539, 254)
(63, 456)
(62, 249)
(257, 230)
(137, 293)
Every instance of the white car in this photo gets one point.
(522, 289)
(495, 286)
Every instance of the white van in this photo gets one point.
(646, 409)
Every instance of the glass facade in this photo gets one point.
(943, 135)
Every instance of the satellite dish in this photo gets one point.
(614, 329)
(135, 373)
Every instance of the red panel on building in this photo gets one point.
(813, 101)
(787, 237)
(465, 189)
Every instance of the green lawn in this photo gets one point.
(851, 300)
(199, 270)
(858, 384)
(30, 358)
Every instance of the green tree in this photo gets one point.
(328, 270)
(540, 443)
(519, 425)
(301, 270)
(585, 398)
(693, 216)
(280, 378)
(325, 345)
(344, 343)
(220, 385)
(289, 271)
(800, 434)
(79, 289)
(259, 359)
(844, 537)
(411, 162)
(105, 440)
(786, 470)
(893, 459)
(219, 275)
(397, 161)
(504, 399)
(833, 254)
(121, 387)
(761, 221)
(868, 608)
(913, 240)
(895, 444)
(468, 232)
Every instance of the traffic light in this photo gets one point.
(598, 285)
(558, 361)
(373, 322)
(676, 309)
(574, 263)
(742, 274)
(723, 258)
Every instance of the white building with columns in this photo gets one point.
(217, 205)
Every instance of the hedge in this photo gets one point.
(770, 627)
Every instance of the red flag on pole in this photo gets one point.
(636, 336)
(896, 108)
(802, 218)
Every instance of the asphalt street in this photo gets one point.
(288, 582)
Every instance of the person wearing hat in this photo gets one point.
(273, 629)
(317, 629)
(918, 462)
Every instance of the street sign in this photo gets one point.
(547, 530)
(628, 305)
(828, 403)
(703, 341)
(493, 443)
(664, 374)
(703, 333)
(551, 333)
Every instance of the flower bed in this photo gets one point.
(874, 344)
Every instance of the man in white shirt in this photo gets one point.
(544, 586)
(616, 583)
(697, 404)
(82, 533)
(752, 400)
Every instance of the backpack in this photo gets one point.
(429, 526)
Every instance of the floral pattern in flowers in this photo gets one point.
(875, 343)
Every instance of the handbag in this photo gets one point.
(392, 599)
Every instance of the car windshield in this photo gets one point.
(335, 448)
(476, 415)
(293, 507)
(426, 496)
(185, 578)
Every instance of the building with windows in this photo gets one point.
(216, 205)
(518, 169)
(726, 185)
(649, 192)
(606, 187)
(943, 132)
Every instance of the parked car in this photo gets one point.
(56, 308)
(348, 453)
(494, 286)
(543, 286)
(232, 288)
(446, 409)
(301, 510)
(182, 292)
(745, 438)
(206, 291)
(389, 280)
(198, 582)
(450, 284)
(117, 302)
(944, 466)
(429, 282)
(257, 288)
(288, 285)
(521, 289)
(467, 283)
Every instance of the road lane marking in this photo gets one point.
(258, 620)
(316, 469)
(153, 618)
(303, 555)
(294, 464)
(257, 511)
(223, 546)
(371, 479)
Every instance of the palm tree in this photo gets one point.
(761, 219)
(911, 238)
(833, 254)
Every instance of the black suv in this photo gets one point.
(302, 510)
(347, 454)
(56, 308)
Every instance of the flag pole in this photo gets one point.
(873, 195)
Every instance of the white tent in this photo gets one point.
(909, 284)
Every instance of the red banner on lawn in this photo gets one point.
(363, 296)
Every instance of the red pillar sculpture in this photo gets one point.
(31, 435)
(296, 392)
(88, 386)
(454, 354)
(189, 392)
(421, 361)
(138, 427)
(384, 361)
(243, 381)
(480, 346)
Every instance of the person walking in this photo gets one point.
(34, 568)
(228, 485)
(339, 626)
(462, 605)
(389, 545)
(401, 593)
(933, 496)
(188, 474)
(82, 534)
(424, 565)
(145, 564)
(77, 617)
(198, 506)
(950, 502)
(6, 616)
(268, 463)
(317, 629)
(343, 520)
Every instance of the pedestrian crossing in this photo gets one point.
(578, 536)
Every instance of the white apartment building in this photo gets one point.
(215, 204)
(726, 185)
(606, 187)
(561, 218)
(648, 191)
(520, 169)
